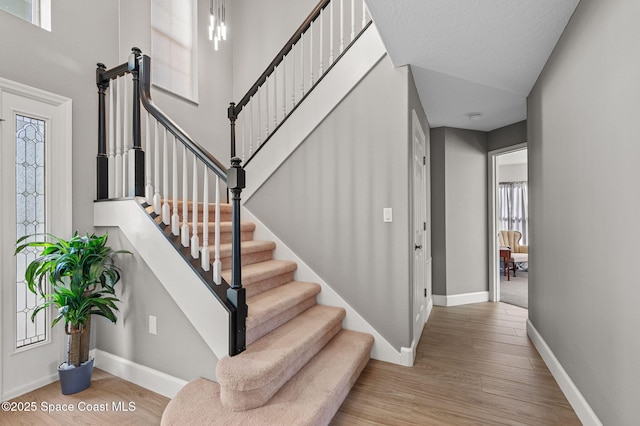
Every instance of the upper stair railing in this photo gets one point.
(324, 36)
(174, 175)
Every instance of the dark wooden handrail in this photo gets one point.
(280, 56)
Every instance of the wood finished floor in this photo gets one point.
(474, 366)
(105, 389)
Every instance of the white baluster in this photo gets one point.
(112, 140)
(206, 255)
(217, 264)
(364, 14)
(301, 66)
(293, 77)
(321, 42)
(275, 99)
(341, 25)
(184, 234)
(157, 199)
(175, 218)
(118, 173)
(310, 56)
(266, 105)
(148, 189)
(331, 33)
(244, 131)
(195, 241)
(284, 87)
(251, 125)
(353, 19)
(166, 209)
(259, 119)
(126, 136)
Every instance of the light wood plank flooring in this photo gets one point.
(474, 366)
(105, 389)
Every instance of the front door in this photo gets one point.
(35, 167)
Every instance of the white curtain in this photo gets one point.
(513, 208)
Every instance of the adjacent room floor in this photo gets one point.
(474, 365)
(516, 290)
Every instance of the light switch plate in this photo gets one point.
(387, 214)
(153, 325)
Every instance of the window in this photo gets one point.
(174, 65)
(30, 219)
(38, 12)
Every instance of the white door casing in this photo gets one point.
(32, 366)
(421, 231)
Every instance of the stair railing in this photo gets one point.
(316, 46)
(173, 174)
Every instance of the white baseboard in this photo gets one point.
(43, 381)
(408, 355)
(580, 405)
(461, 299)
(146, 377)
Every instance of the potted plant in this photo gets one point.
(77, 277)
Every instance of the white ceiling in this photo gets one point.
(472, 56)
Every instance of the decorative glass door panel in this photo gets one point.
(30, 219)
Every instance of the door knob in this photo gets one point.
(418, 246)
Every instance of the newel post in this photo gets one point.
(102, 161)
(236, 295)
(137, 154)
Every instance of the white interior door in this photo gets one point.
(35, 164)
(421, 244)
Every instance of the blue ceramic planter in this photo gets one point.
(76, 379)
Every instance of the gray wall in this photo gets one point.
(325, 202)
(507, 136)
(438, 212)
(85, 32)
(260, 29)
(459, 240)
(177, 349)
(512, 173)
(583, 177)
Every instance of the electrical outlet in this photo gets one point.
(153, 325)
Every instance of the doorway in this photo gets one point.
(421, 294)
(508, 225)
(35, 163)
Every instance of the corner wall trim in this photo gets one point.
(461, 299)
(580, 405)
(148, 378)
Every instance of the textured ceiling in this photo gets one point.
(472, 56)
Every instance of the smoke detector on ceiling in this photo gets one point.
(474, 116)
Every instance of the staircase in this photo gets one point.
(299, 363)
(289, 359)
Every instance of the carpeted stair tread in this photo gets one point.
(246, 231)
(224, 207)
(247, 247)
(250, 379)
(224, 226)
(252, 252)
(263, 276)
(271, 309)
(311, 397)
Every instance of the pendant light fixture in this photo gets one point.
(217, 27)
